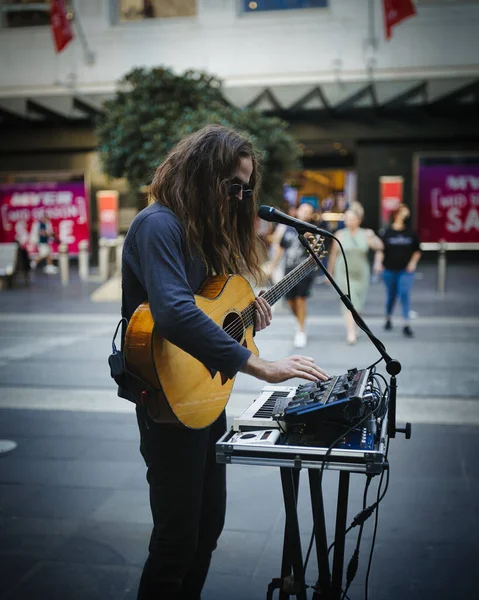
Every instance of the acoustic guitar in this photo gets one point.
(182, 389)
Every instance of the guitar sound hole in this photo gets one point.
(233, 325)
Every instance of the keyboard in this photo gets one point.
(272, 400)
(339, 398)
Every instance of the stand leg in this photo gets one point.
(324, 578)
(340, 536)
(291, 583)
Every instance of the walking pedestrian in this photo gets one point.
(397, 262)
(356, 242)
(294, 254)
(45, 235)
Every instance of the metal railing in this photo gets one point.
(109, 260)
(442, 248)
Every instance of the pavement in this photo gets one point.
(74, 513)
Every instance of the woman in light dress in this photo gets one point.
(356, 242)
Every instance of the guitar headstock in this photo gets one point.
(317, 244)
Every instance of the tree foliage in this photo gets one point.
(154, 108)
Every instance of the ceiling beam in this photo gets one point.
(316, 92)
(402, 99)
(266, 94)
(84, 107)
(452, 99)
(11, 117)
(45, 112)
(355, 98)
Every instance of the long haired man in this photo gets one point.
(200, 223)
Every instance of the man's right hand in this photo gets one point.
(281, 370)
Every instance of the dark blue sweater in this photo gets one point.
(156, 268)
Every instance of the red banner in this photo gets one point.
(65, 204)
(60, 25)
(448, 203)
(396, 11)
(390, 196)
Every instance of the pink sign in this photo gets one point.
(65, 204)
(448, 203)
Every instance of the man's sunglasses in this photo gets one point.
(235, 188)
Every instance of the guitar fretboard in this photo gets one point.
(282, 287)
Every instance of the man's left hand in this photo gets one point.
(263, 314)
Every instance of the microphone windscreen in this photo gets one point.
(266, 212)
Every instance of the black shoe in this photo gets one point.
(388, 325)
(407, 331)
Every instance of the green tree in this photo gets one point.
(154, 108)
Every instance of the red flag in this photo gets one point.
(61, 28)
(396, 11)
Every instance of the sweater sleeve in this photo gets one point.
(159, 243)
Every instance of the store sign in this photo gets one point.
(448, 203)
(65, 204)
(107, 203)
(390, 195)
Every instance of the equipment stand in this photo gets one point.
(292, 580)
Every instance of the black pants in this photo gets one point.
(188, 503)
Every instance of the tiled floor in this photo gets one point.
(74, 514)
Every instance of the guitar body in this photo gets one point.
(187, 392)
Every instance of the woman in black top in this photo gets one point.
(398, 262)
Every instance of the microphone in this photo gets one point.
(269, 213)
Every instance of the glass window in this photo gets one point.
(134, 10)
(261, 5)
(27, 13)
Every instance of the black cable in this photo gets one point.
(376, 374)
(344, 258)
(354, 561)
(373, 542)
(363, 327)
(364, 515)
(375, 363)
(383, 404)
(323, 464)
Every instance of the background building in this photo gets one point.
(358, 103)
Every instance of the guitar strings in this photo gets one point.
(294, 277)
(247, 315)
(276, 292)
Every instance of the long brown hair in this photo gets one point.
(193, 181)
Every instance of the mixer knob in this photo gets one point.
(352, 373)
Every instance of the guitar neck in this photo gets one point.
(281, 288)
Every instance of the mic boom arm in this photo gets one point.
(393, 366)
(273, 215)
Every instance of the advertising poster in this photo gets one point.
(107, 202)
(448, 203)
(390, 196)
(64, 204)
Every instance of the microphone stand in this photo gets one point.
(328, 586)
(393, 366)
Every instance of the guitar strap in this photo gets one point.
(123, 377)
